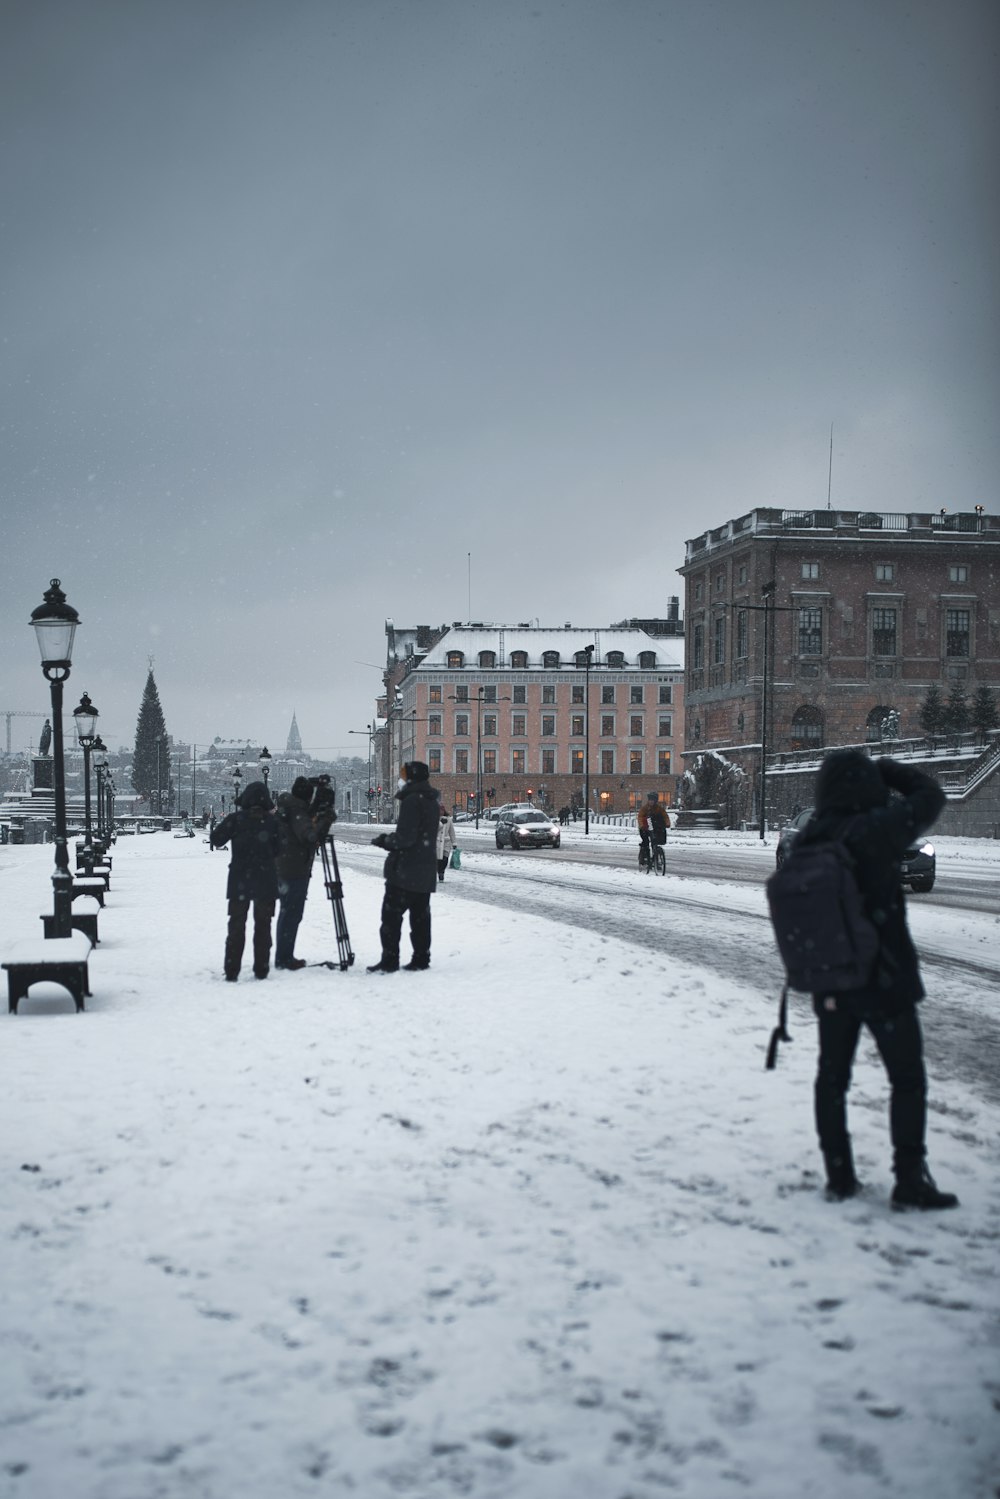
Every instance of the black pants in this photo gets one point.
(900, 1045)
(263, 910)
(395, 903)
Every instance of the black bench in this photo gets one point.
(93, 885)
(58, 960)
(83, 919)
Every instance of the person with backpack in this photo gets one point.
(302, 826)
(873, 810)
(653, 821)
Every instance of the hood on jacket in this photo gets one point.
(849, 781)
(255, 795)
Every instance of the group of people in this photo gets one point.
(272, 854)
(876, 808)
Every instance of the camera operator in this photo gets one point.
(305, 815)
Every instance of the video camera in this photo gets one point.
(323, 797)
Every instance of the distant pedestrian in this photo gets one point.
(854, 805)
(445, 841)
(302, 826)
(563, 817)
(252, 832)
(410, 870)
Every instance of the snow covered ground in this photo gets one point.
(535, 1224)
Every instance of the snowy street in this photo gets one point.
(535, 1224)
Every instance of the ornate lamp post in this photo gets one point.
(54, 623)
(264, 759)
(237, 774)
(85, 717)
(100, 769)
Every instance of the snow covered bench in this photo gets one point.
(84, 919)
(54, 960)
(90, 885)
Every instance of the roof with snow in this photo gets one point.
(668, 653)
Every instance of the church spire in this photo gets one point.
(294, 745)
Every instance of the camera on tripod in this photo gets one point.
(324, 796)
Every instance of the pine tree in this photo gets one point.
(984, 710)
(956, 710)
(151, 756)
(931, 712)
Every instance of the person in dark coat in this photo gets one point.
(410, 870)
(854, 802)
(300, 830)
(252, 833)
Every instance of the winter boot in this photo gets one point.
(917, 1189)
(416, 965)
(383, 967)
(841, 1181)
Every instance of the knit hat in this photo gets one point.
(849, 781)
(416, 770)
(302, 789)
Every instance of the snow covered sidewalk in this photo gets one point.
(532, 1225)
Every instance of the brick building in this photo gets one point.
(504, 709)
(862, 611)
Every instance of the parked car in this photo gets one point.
(919, 866)
(526, 827)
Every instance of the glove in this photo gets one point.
(379, 842)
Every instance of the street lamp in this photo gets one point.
(264, 759)
(85, 717)
(588, 651)
(54, 623)
(237, 775)
(100, 766)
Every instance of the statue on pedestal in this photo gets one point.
(46, 739)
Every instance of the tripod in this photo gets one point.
(335, 894)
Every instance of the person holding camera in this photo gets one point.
(305, 815)
(410, 870)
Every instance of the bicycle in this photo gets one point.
(652, 858)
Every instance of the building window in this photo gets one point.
(433, 694)
(519, 694)
(635, 762)
(461, 724)
(607, 762)
(489, 694)
(883, 632)
(697, 593)
(956, 632)
(810, 570)
(548, 694)
(550, 660)
(719, 641)
(461, 762)
(810, 632)
(490, 762)
(663, 762)
(742, 635)
(548, 723)
(548, 762)
(698, 647)
(635, 728)
(576, 762)
(720, 582)
(959, 574)
(665, 727)
(434, 761)
(647, 660)
(581, 658)
(461, 694)
(455, 660)
(487, 660)
(517, 725)
(577, 693)
(635, 695)
(519, 660)
(607, 726)
(434, 724)
(741, 576)
(807, 728)
(576, 724)
(616, 659)
(666, 693)
(517, 761)
(884, 572)
(607, 694)
(490, 725)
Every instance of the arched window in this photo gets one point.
(550, 659)
(487, 660)
(616, 658)
(455, 659)
(519, 660)
(580, 658)
(647, 660)
(807, 728)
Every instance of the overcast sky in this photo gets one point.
(304, 301)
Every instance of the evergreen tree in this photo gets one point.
(984, 710)
(151, 756)
(956, 710)
(931, 712)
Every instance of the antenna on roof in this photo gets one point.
(829, 482)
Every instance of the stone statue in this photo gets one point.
(46, 739)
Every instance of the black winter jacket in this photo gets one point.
(299, 831)
(412, 845)
(877, 839)
(253, 833)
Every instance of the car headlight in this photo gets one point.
(928, 849)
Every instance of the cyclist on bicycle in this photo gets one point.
(653, 820)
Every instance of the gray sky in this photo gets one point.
(304, 301)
